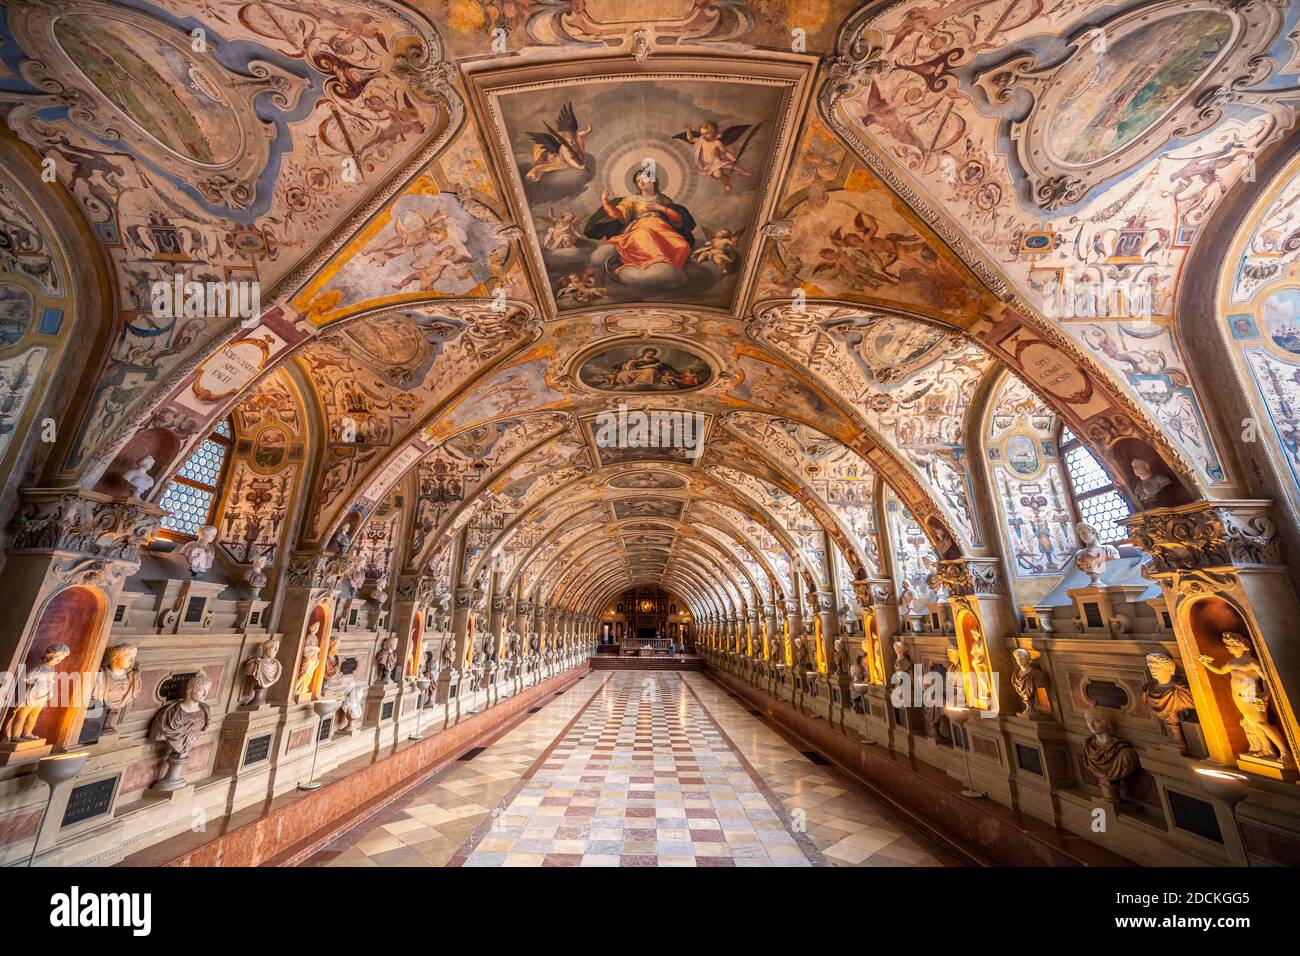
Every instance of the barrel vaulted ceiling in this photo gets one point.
(926, 199)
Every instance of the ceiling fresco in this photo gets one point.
(756, 297)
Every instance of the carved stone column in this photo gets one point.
(464, 601)
(983, 619)
(410, 600)
(793, 627)
(311, 592)
(69, 555)
(880, 623)
(822, 605)
(769, 628)
(1220, 566)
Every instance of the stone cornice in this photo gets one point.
(83, 522)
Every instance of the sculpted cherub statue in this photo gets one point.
(1250, 692)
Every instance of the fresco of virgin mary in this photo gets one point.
(645, 229)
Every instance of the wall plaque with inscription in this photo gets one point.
(90, 800)
(173, 687)
(258, 749)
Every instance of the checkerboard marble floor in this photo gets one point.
(636, 769)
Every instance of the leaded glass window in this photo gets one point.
(191, 496)
(1097, 498)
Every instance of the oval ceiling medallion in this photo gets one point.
(645, 366)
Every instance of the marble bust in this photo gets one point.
(255, 576)
(139, 478)
(386, 661)
(200, 553)
(117, 684)
(263, 671)
(1167, 696)
(1029, 682)
(1092, 557)
(1150, 486)
(37, 692)
(178, 725)
(902, 659)
(1111, 759)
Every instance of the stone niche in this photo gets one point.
(1208, 618)
(72, 616)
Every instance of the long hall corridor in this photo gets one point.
(636, 768)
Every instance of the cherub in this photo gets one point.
(571, 287)
(562, 146)
(563, 232)
(432, 230)
(713, 155)
(720, 249)
(864, 256)
(593, 288)
(429, 274)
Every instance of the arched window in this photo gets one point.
(191, 496)
(1097, 500)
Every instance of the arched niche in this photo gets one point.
(1205, 619)
(415, 647)
(318, 622)
(976, 669)
(73, 616)
(871, 647)
(160, 444)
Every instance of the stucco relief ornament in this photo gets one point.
(1205, 535)
(1111, 759)
(1168, 697)
(117, 684)
(138, 477)
(200, 553)
(355, 572)
(1092, 557)
(263, 671)
(38, 691)
(179, 725)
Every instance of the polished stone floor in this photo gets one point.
(636, 768)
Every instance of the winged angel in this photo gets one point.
(562, 146)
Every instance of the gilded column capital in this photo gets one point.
(969, 577)
(1206, 534)
(874, 592)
